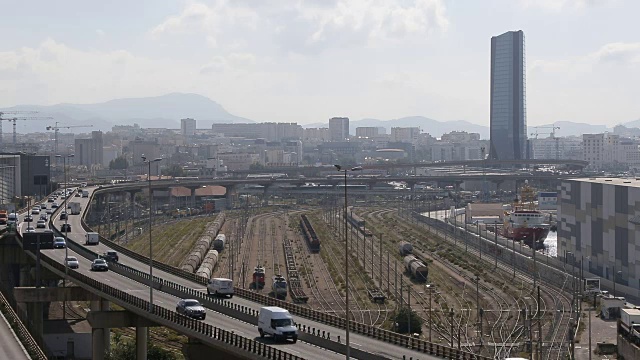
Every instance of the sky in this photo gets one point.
(308, 60)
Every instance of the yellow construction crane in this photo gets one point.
(57, 128)
(15, 119)
(13, 112)
(552, 135)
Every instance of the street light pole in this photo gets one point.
(144, 159)
(346, 258)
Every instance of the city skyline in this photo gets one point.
(310, 61)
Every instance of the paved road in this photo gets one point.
(248, 330)
(10, 346)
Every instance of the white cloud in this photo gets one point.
(620, 53)
(560, 5)
(310, 25)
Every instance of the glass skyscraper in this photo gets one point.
(508, 97)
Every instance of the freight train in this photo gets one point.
(219, 242)
(414, 266)
(357, 222)
(405, 248)
(310, 234)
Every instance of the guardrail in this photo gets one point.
(324, 318)
(30, 344)
(205, 331)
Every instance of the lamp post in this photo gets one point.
(144, 159)
(346, 256)
(430, 288)
(66, 234)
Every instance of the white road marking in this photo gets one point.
(356, 344)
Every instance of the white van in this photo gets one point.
(220, 287)
(92, 238)
(277, 322)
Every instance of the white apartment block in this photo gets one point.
(405, 134)
(557, 148)
(339, 128)
(316, 134)
(602, 150)
(187, 127)
(460, 137)
(367, 131)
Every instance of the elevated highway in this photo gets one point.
(127, 285)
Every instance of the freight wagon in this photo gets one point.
(219, 242)
(310, 234)
(414, 266)
(405, 248)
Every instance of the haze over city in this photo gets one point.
(307, 61)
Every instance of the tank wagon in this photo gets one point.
(405, 248)
(208, 264)
(219, 242)
(418, 270)
(203, 245)
(279, 287)
(310, 234)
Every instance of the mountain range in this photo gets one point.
(150, 112)
(166, 111)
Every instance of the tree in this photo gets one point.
(126, 350)
(402, 316)
(174, 170)
(256, 166)
(118, 163)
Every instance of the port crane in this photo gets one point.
(12, 112)
(16, 119)
(552, 135)
(57, 128)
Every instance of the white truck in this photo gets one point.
(630, 324)
(75, 208)
(92, 238)
(220, 287)
(277, 322)
(85, 193)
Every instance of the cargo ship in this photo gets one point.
(525, 222)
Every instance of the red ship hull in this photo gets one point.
(527, 234)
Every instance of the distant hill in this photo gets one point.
(160, 111)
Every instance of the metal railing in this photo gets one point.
(30, 344)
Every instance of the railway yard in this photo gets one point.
(397, 261)
(462, 302)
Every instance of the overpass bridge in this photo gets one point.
(230, 326)
(572, 164)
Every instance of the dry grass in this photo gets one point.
(171, 242)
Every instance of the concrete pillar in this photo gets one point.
(104, 306)
(35, 313)
(230, 192)
(97, 344)
(142, 334)
(193, 197)
(24, 276)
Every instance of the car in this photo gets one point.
(49, 211)
(110, 255)
(51, 200)
(78, 194)
(191, 308)
(63, 215)
(54, 205)
(44, 217)
(42, 224)
(72, 262)
(48, 231)
(59, 242)
(35, 211)
(30, 229)
(99, 265)
(28, 218)
(65, 228)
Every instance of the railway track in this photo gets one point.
(501, 321)
(554, 302)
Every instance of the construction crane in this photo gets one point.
(13, 112)
(15, 119)
(552, 135)
(57, 128)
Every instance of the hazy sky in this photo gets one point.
(306, 61)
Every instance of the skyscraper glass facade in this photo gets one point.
(508, 97)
